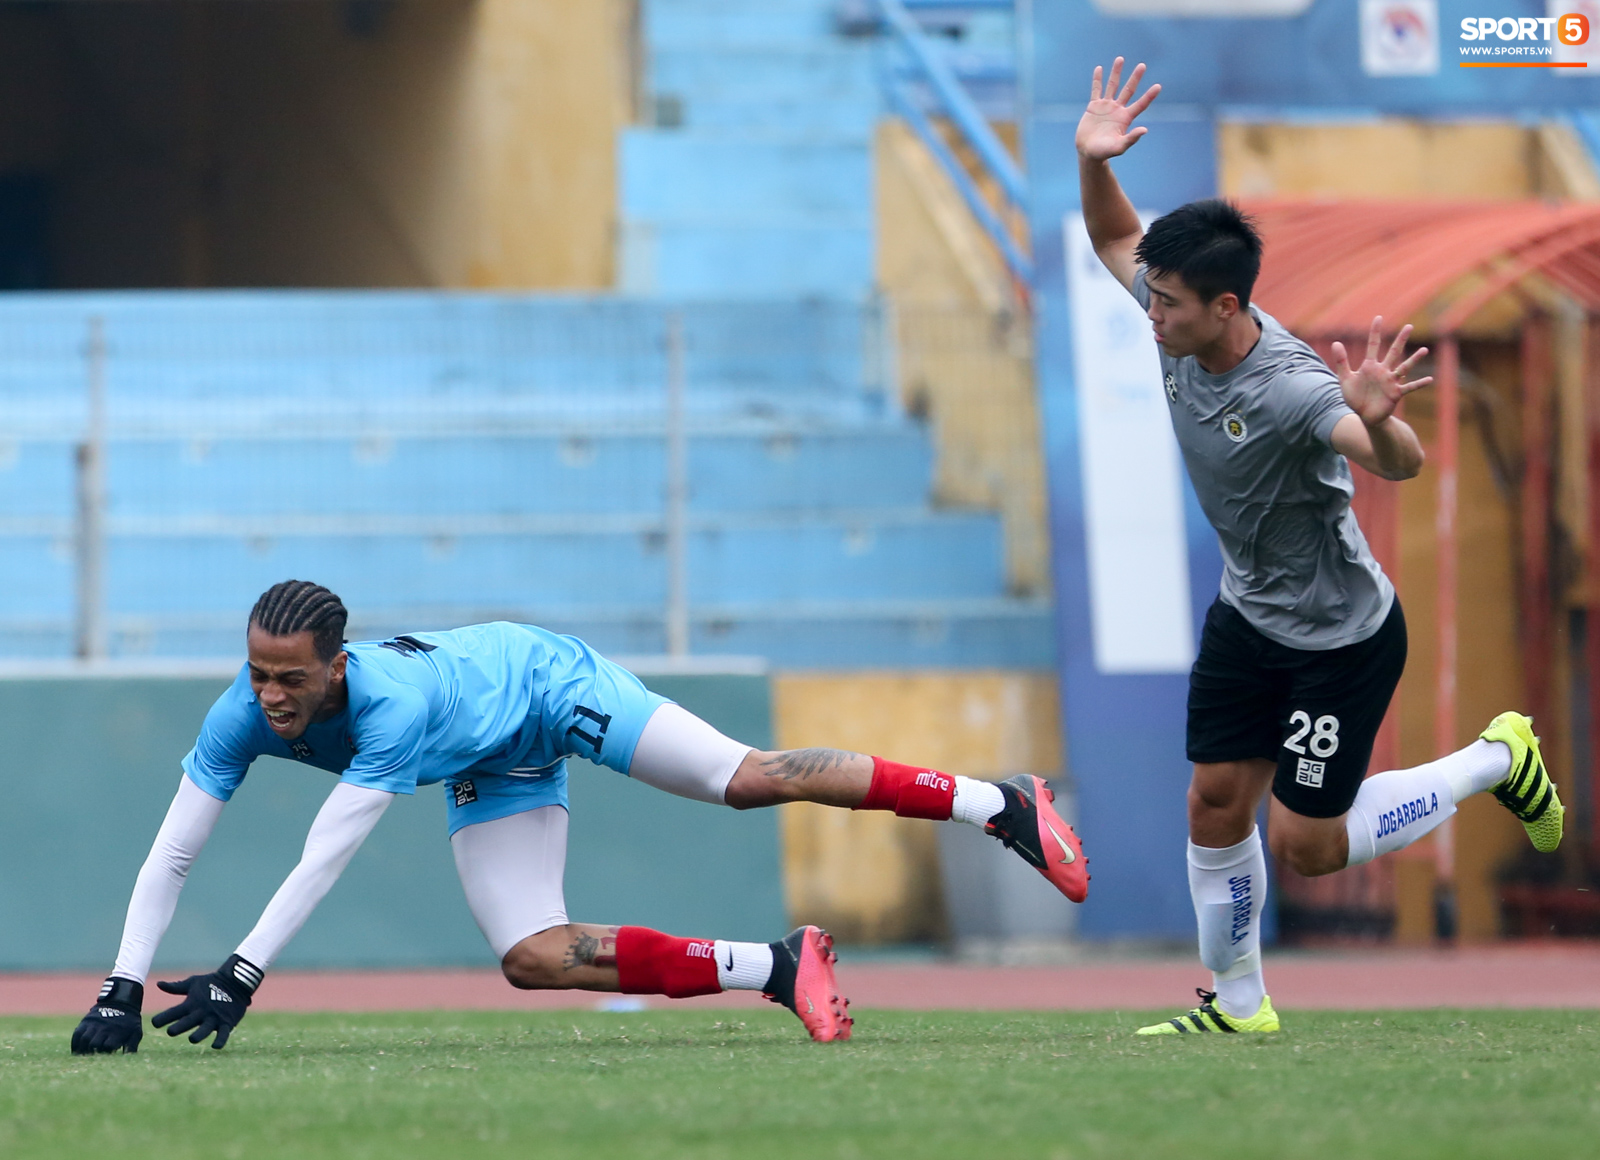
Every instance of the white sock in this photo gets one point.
(1228, 887)
(742, 966)
(1480, 766)
(976, 801)
(1394, 809)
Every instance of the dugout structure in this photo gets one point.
(1494, 288)
(1124, 702)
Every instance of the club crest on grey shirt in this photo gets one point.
(1256, 444)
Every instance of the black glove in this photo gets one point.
(113, 1023)
(216, 1002)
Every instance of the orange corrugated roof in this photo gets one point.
(1331, 265)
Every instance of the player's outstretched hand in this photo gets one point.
(1103, 130)
(214, 1002)
(1374, 389)
(114, 1022)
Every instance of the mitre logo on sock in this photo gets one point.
(701, 950)
(934, 781)
(1309, 772)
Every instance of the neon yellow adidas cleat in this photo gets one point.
(1210, 1018)
(1527, 790)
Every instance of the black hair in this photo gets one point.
(292, 606)
(1211, 245)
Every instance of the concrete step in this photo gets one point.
(763, 75)
(803, 119)
(740, 24)
(757, 261)
(967, 634)
(172, 565)
(691, 178)
(764, 411)
(883, 467)
(330, 348)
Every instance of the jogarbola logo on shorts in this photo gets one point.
(1233, 424)
(1172, 388)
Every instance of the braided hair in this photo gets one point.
(292, 606)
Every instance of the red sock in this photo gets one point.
(652, 963)
(911, 791)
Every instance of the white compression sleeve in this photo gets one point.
(683, 755)
(190, 819)
(343, 823)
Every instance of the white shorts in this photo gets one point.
(512, 868)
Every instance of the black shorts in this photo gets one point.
(1314, 713)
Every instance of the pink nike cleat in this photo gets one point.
(1030, 825)
(802, 980)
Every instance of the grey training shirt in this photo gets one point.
(1256, 442)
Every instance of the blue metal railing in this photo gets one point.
(927, 65)
(1020, 265)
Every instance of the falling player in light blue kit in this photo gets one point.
(493, 711)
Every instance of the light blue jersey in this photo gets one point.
(492, 710)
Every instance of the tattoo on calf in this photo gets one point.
(802, 763)
(587, 951)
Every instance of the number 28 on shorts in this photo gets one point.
(1322, 738)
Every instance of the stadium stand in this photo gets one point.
(443, 457)
(376, 442)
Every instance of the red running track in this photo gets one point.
(1505, 975)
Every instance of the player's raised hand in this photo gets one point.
(1374, 389)
(1103, 131)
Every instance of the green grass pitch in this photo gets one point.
(747, 1085)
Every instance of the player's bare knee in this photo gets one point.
(534, 964)
(1307, 856)
(1200, 803)
(1216, 803)
(522, 970)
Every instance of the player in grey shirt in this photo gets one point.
(1265, 444)
(1303, 648)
